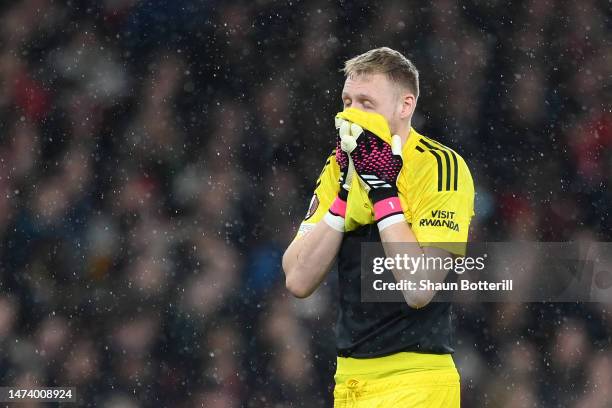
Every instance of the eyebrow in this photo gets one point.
(359, 96)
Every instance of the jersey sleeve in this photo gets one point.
(441, 216)
(326, 190)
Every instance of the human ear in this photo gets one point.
(408, 105)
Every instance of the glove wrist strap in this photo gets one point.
(380, 194)
(338, 207)
(388, 211)
(337, 212)
(343, 194)
(334, 221)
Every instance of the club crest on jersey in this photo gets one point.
(312, 208)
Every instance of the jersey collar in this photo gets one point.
(413, 138)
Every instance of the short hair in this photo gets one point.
(387, 61)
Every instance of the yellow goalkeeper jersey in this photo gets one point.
(435, 187)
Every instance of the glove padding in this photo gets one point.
(345, 144)
(377, 159)
(378, 165)
(375, 154)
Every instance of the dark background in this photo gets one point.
(156, 157)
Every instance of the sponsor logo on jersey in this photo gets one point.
(440, 218)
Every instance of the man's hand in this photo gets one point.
(343, 147)
(378, 165)
(345, 144)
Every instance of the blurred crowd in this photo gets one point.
(157, 156)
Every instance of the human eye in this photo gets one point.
(368, 104)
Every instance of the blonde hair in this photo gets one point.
(387, 61)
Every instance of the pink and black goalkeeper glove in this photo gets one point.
(378, 165)
(342, 159)
(337, 212)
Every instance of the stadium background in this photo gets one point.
(156, 157)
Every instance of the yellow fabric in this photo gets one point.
(400, 380)
(398, 363)
(424, 206)
(371, 121)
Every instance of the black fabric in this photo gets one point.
(378, 194)
(377, 329)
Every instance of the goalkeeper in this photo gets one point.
(386, 183)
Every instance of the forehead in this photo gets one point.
(371, 84)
